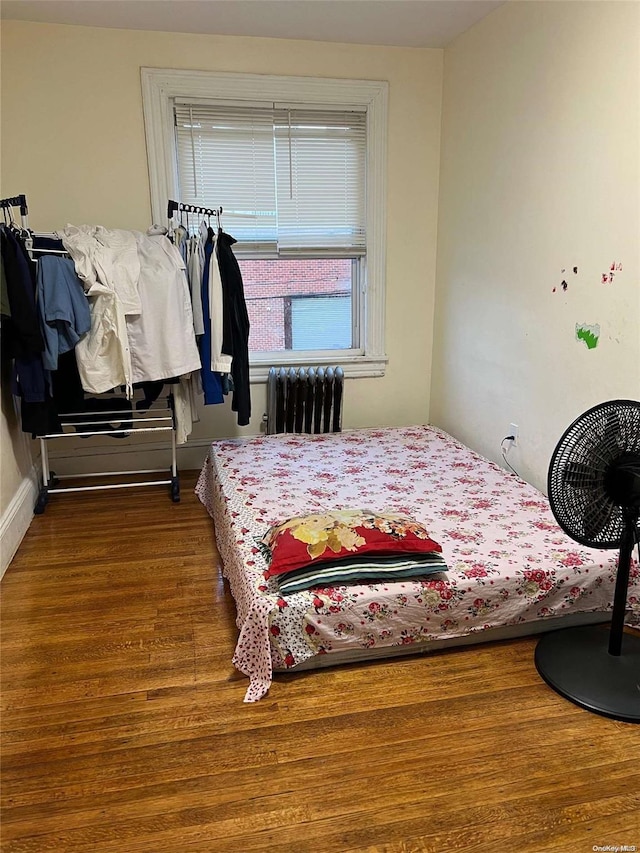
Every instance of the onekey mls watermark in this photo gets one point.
(614, 848)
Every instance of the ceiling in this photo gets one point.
(405, 23)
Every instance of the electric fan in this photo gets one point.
(594, 492)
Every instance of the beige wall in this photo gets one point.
(539, 173)
(73, 141)
(16, 460)
(17, 478)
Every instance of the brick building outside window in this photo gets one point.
(298, 304)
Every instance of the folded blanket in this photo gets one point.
(361, 569)
(302, 541)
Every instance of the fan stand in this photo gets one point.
(588, 666)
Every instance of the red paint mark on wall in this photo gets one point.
(608, 277)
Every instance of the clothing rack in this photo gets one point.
(21, 202)
(132, 422)
(136, 423)
(16, 201)
(35, 252)
(177, 206)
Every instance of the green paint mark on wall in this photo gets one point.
(589, 334)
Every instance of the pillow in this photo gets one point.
(299, 541)
(361, 570)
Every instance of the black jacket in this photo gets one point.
(235, 330)
(22, 331)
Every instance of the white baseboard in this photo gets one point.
(16, 519)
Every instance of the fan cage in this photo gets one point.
(602, 437)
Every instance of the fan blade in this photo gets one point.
(604, 452)
(597, 514)
(613, 429)
(580, 475)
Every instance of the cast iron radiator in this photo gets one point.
(306, 399)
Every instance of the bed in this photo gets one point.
(511, 570)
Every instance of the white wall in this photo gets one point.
(539, 173)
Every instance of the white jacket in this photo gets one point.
(141, 318)
(107, 263)
(220, 362)
(161, 337)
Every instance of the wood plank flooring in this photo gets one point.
(124, 729)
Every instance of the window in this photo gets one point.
(297, 165)
(292, 304)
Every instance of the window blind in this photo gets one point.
(290, 180)
(320, 176)
(226, 159)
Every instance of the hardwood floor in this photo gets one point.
(124, 730)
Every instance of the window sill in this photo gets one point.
(354, 366)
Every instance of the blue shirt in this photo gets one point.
(63, 307)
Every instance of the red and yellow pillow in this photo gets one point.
(299, 541)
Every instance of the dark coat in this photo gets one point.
(235, 330)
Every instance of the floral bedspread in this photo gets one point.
(508, 560)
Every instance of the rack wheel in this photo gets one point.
(41, 503)
(175, 490)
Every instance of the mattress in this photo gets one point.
(510, 567)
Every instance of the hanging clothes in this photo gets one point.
(211, 381)
(185, 398)
(67, 392)
(22, 340)
(141, 316)
(236, 326)
(5, 308)
(22, 335)
(181, 241)
(161, 337)
(223, 334)
(107, 262)
(106, 258)
(220, 356)
(62, 306)
(195, 271)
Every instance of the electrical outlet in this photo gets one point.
(513, 430)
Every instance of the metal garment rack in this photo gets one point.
(19, 201)
(15, 201)
(132, 423)
(179, 206)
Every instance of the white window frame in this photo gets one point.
(161, 85)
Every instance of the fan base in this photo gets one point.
(576, 663)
